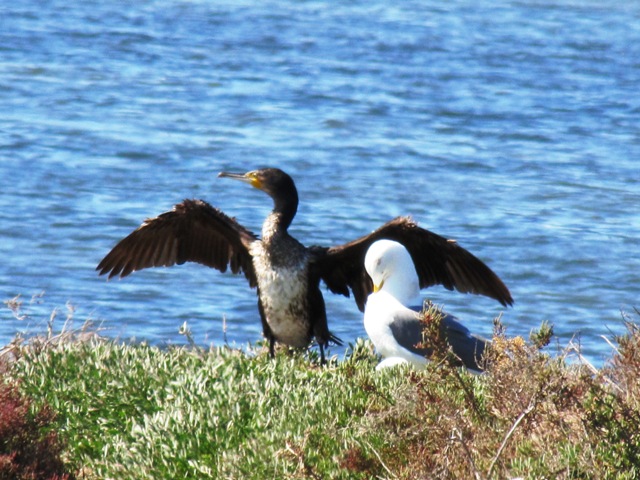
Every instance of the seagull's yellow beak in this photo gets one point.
(377, 287)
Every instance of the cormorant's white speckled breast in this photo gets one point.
(283, 288)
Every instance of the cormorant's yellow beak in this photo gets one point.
(250, 177)
(376, 288)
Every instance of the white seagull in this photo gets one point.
(394, 328)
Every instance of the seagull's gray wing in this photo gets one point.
(407, 328)
(468, 347)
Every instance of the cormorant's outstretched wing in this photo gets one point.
(193, 231)
(437, 261)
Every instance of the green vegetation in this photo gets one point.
(138, 412)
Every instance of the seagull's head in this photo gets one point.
(391, 269)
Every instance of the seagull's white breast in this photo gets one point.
(378, 315)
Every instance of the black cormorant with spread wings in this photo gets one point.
(286, 273)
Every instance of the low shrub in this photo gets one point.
(30, 448)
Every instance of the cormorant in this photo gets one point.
(394, 326)
(287, 274)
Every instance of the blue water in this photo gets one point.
(513, 127)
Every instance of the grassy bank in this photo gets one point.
(135, 411)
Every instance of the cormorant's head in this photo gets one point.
(272, 181)
(278, 185)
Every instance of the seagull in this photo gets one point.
(396, 329)
(287, 274)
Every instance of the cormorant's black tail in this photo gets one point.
(335, 340)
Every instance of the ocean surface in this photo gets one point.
(511, 126)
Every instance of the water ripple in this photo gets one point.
(509, 126)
